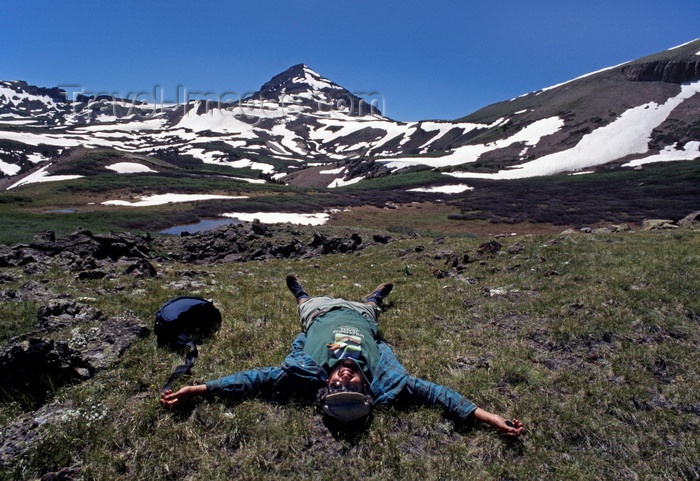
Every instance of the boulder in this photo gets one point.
(141, 268)
(620, 228)
(260, 229)
(658, 224)
(29, 291)
(689, 219)
(93, 274)
(60, 313)
(491, 247)
(19, 436)
(516, 248)
(381, 239)
(114, 336)
(36, 366)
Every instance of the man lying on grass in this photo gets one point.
(340, 358)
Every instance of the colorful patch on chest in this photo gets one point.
(346, 346)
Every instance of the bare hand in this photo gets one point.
(510, 428)
(181, 396)
(506, 428)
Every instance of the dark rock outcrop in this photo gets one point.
(672, 71)
(18, 437)
(489, 248)
(238, 243)
(114, 336)
(35, 366)
(60, 313)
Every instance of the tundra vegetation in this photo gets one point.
(591, 340)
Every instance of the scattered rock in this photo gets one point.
(115, 335)
(260, 229)
(94, 274)
(440, 274)
(236, 244)
(35, 366)
(463, 362)
(381, 239)
(60, 313)
(36, 268)
(19, 436)
(78, 246)
(141, 268)
(489, 248)
(620, 228)
(6, 278)
(29, 291)
(68, 473)
(656, 224)
(688, 220)
(516, 248)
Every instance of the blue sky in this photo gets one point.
(427, 60)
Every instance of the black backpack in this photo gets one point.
(179, 323)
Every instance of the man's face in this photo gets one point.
(346, 376)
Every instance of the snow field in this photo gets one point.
(42, 176)
(129, 168)
(280, 217)
(628, 134)
(160, 199)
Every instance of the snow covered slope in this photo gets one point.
(304, 129)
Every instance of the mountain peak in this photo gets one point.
(298, 78)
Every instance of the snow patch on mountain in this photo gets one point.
(628, 134)
(280, 217)
(529, 135)
(9, 169)
(246, 163)
(342, 183)
(129, 168)
(313, 79)
(443, 189)
(11, 96)
(216, 120)
(30, 138)
(160, 199)
(691, 151)
(41, 175)
(131, 126)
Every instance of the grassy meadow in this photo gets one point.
(592, 341)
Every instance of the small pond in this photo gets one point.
(202, 225)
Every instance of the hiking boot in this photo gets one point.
(378, 295)
(295, 287)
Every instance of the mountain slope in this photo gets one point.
(303, 129)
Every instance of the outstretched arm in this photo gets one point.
(232, 386)
(456, 405)
(181, 396)
(507, 428)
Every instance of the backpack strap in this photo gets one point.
(184, 368)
